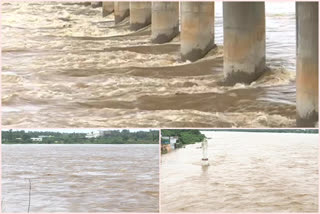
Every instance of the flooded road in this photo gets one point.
(80, 178)
(63, 65)
(248, 172)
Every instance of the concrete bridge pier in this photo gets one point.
(140, 15)
(107, 8)
(165, 21)
(197, 29)
(121, 11)
(307, 63)
(244, 41)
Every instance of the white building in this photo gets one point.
(104, 132)
(36, 139)
(172, 141)
(44, 136)
(93, 134)
(100, 133)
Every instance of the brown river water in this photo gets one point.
(63, 65)
(80, 178)
(248, 172)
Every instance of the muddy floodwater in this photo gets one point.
(63, 65)
(248, 172)
(80, 178)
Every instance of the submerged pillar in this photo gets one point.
(165, 21)
(140, 15)
(107, 8)
(307, 63)
(121, 11)
(197, 29)
(205, 159)
(244, 41)
(96, 4)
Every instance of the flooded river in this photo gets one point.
(248, 172)
(63, 65)
(80, 178)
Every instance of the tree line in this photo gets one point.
(185, 136)
(112, 137)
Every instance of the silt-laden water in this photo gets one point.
(248, 172)
(80, 178)
(64, 65)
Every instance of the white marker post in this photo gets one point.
(205, 160)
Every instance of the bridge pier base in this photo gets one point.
(107, 8)
(307, 63)
(121, 11)
(244, 41)
(140, 15)
(197, 29)
(165, 21)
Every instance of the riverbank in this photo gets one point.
(93, 137)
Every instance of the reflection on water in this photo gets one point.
(248, 172)
(80, 178)
(64, 65)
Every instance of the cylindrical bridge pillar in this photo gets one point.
(307, 63)
(197, 29)
(121, 11)
(140, 15)
(107, 8)
(165, 21)
(244, 41)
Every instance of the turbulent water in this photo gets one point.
(80, 178)
(63, 65)
(248, 172)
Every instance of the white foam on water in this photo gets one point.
(67, 59)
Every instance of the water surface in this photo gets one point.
(63, 65)
(248, 172)
(80, 178)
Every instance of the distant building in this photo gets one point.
(168, 143)
(173, 141)
(93, 134)
(104, 132)
(44, 136)
(36, 139)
